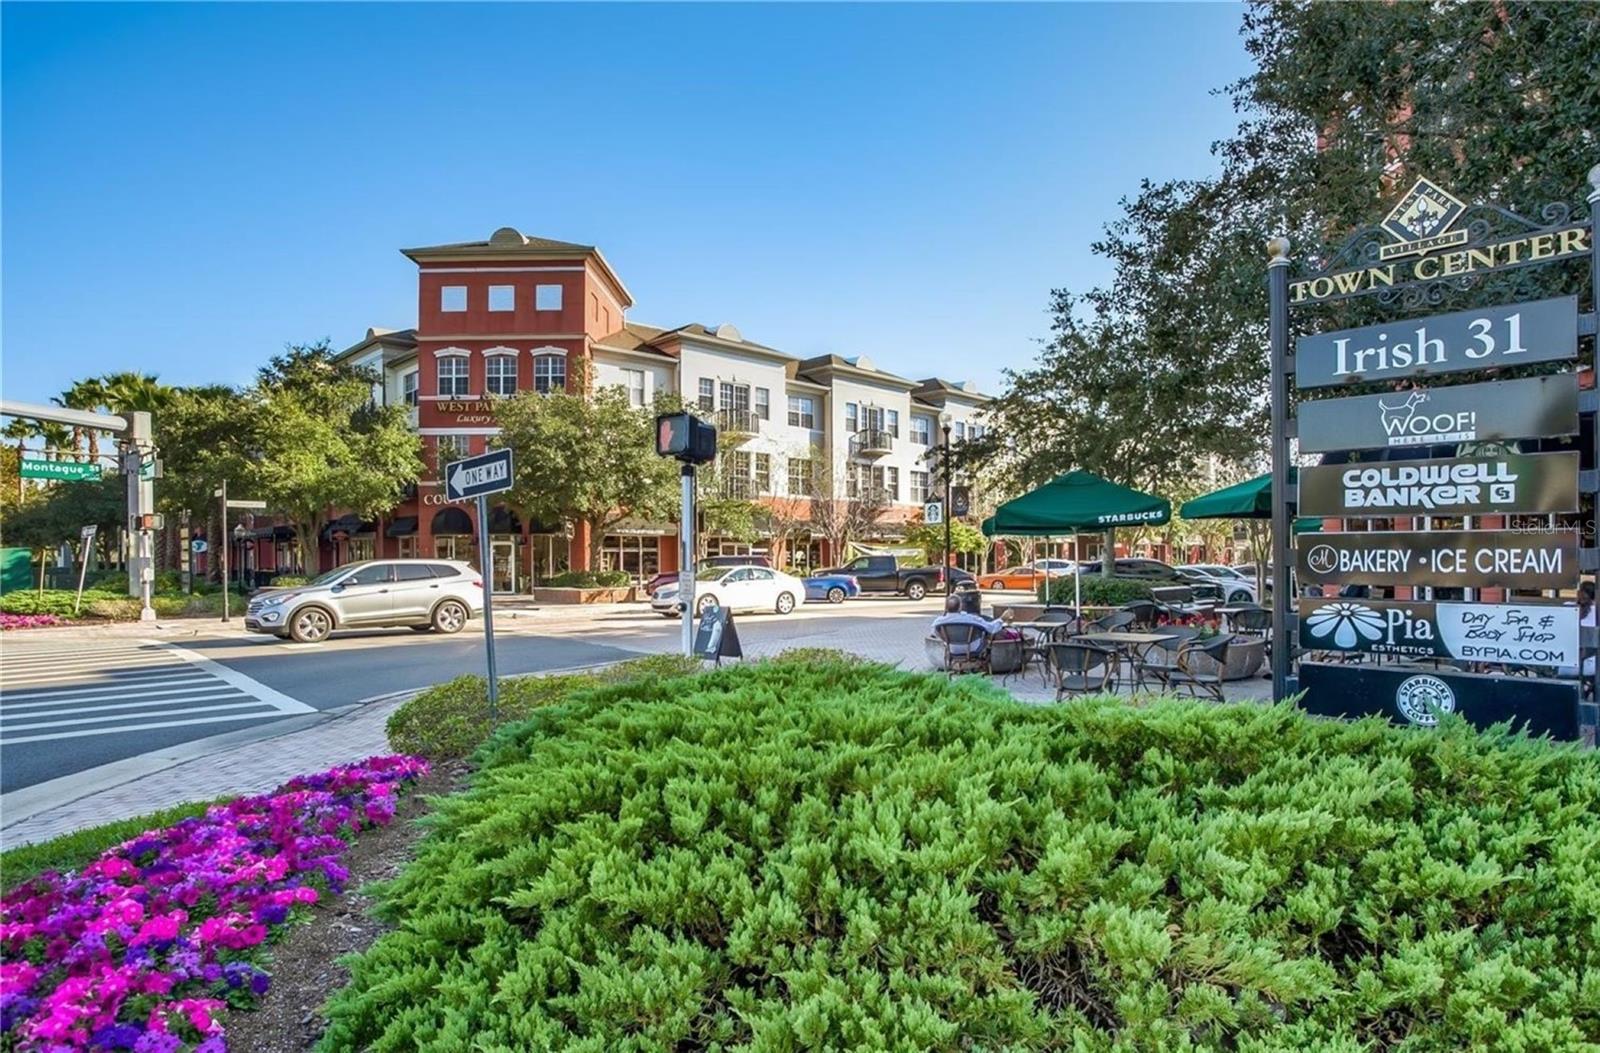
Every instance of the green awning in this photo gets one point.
(1251, 499)
(1077, 501)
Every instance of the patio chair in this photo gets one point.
(1081, 667)
(1144, 613)
(1254, 621)
(966, 648)
(1008, 657)
(1201, 665)
(1116, 621)
(1160, 661)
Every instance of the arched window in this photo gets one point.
(501, 374)
(549, 373)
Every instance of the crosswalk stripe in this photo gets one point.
(208, 685)
(46, 665)
(10, 722)
(246, 703)
(67, 673)
(131, 673)
(143, 687)
(43, 654)
(134, 727)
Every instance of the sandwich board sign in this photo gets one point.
(717, 638)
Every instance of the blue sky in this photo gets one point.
(186, 187)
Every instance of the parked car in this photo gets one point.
(885, 574)
(834, 588)
(710, 561)
(1028, 575)
(436, 594)
(1155, 572)
(1236, 588)
(743, 588)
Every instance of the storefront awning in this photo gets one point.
(451, 521)
(401, 526)
(280, 532)
(349, 526)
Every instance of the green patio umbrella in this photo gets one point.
(1075, 502)
(1251, 499)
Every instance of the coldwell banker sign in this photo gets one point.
(1455, 558)
(1506, 409)
(1503, 633)
(1541, 331)
(1468, 486)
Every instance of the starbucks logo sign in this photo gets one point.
(1422, 699)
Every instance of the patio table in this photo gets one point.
(1130, 646)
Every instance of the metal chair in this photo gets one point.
(1253, 621)
(1081, 667)
(1201, 665)
(1113, 622)
(1144, 613)
(1160, 661)
(966, 648)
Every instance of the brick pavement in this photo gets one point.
(885, 631)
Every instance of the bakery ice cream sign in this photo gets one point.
(1452, 558)
(1497, 633)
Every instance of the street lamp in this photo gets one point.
(239, 534)
(944, 466)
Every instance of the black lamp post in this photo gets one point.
(944, 465)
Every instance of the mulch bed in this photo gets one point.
(305, 968)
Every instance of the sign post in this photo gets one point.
(87, 540)
(690, 441)
(480, 476)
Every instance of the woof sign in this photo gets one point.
(1516, 334)
(1501, 633)
(1455, 558)
(1505, 409)
(1506, 483)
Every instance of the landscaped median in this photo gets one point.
(820, 855)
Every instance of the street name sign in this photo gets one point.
(1505, 409)
(87, 534)
(1420, 698)
(1460, 486)
(1455, 558)
(487, 473)
(60, 471)
(256, 505)
(1503, 633)
(1511, 335)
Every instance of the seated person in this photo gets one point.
(954, 615)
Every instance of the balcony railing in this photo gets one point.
(871, 442)
(737, 422)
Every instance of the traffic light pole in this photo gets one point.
(686, 558)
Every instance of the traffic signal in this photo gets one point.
(686, 438)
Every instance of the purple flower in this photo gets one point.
(117, 1036)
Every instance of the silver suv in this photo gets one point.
(425, 594)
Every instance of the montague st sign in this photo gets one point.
(1517, 334)
(1424, 224)
(1492, 485)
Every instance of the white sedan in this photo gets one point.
(747, 588)
(1236, 587)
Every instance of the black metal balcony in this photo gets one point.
(737, 422)
(871, 442)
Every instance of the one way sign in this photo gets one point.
(487, 473)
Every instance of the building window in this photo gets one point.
(453, 372)
(890, 483)
(708, 394)
(502, 297)
(408, 388)
(448, 448)
(763, 403)
(802, 412)
(734, 396)
(921, 430)
(501, 375)
(633, 381)
(919, 488)
(452, 298)
(852, 480)
(763, 465)
(800, 476)
(891, 422)
(960, 429)
(850, 416)
(549, 373)
(547, 297)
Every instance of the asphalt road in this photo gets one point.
(69, 705)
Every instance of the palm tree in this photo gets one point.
(89, 394)
(57, 437)
(133, 392)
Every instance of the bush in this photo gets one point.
(789, 857)
(289, 581)
(53, 601)
(451, 720)
(590, 579)
(1097, 591)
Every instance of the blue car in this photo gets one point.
(834, 588)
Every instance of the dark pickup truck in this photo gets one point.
(884, 574)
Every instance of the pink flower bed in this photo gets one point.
(141, 949)
(28, 621)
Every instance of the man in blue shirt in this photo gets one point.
(954, 615)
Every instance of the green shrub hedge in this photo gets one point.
(112, 604)
(451, 720)
(1097, 591)
(289, 581)
(590, 579)
(792, 856)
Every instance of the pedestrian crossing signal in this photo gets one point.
(685, 437)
